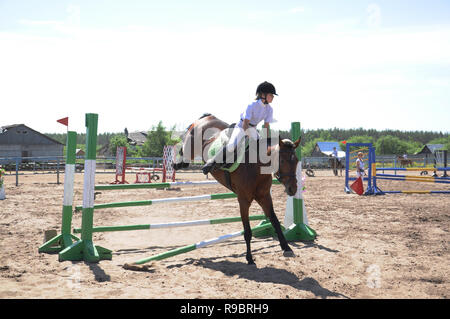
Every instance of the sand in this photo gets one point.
(393, 246)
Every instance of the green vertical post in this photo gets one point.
(85, 249)
(64, 240)
(298, 230)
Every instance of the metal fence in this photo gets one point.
(55, 165)
(107, 165)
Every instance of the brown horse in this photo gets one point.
(247, 181)
(336, 164)
(404, 162)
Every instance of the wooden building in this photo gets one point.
(19, 140)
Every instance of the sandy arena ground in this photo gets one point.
(393, 246)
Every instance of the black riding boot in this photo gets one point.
(213, 163)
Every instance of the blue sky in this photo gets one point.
(371, 64)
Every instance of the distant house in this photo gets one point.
(326, 149)
(19, 140)
(79, 152)
(137, 138)
(430, 148)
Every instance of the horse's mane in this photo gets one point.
(204, 115)
(287, 142)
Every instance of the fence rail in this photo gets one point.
(107, 165)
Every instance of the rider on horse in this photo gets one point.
(255, 113)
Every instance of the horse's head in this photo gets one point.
(285, 164)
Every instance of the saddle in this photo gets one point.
(221, 141)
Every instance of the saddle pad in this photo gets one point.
(218, 144)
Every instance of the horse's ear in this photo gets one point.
(297, 142)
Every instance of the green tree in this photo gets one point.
(390, 145)
(117, 141)
(443, 140)
(157, 138)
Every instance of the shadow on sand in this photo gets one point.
(268, 275)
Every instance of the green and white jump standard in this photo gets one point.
(85, 249)
(64, 240)
(296, 222)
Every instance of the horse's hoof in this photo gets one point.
(288, 253)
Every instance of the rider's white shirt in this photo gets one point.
(361, 166)
(257, 112)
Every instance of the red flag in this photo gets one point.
(344, 142)
(64, 121)
(357, 186)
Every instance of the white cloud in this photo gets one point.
(297, 10)
(373, 15)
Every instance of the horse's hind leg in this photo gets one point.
(244, 206)
(266, 203)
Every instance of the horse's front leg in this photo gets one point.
(244, 206)
(266, 204)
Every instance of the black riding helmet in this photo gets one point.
(266, 87)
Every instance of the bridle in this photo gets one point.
(278, 175)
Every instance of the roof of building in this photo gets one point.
(137, 138)
(430, 148)
(6, 128)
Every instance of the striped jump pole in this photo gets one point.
(412, 178)
(85, 249)
(409, 178)
(163, 200)
(417, 192)
(420, 169)
(200, 244)
(214, 221)
(64, 240)
(160, 185)
(153, 185)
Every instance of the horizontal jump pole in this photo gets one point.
(200, 244)
(355, 178)
(360, 149)
(156, 169)
(152, 185)
(407, 179)
(159, 185)
(413, 169)
(162, 200)
(417, 192)
(172, 224)
(432, 178)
